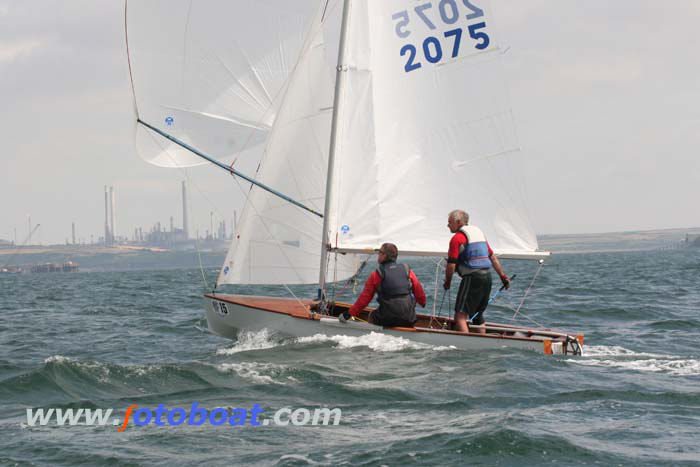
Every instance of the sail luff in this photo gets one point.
(341, 72)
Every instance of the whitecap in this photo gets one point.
(619, 357)
(617, 351)
(58, 359)
(374, 340)
(248, 340)
(253, 371)
(97, 369)
(687, 367)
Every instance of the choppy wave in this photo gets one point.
(260, 373)
(617, 351)
(619, 357)
(262, 340)
(676, 324)
(374, 340)
(67, 378)
(402, 402)
(248, 340)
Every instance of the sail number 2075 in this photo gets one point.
(425, 14)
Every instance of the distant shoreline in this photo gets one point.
(130, 257)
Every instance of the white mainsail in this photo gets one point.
(211, 73)
(426, 128)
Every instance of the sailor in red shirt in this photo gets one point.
(398, 290)
(472, 257)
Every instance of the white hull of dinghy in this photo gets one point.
(227, 315)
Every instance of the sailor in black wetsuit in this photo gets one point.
(398, 290)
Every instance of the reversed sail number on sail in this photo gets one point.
(432, 46)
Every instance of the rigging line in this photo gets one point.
(128, 58)
(297, 298)
(355, 276)
(189, 179)
(249, 202)
(335, 274)
(325, 7)
(528, 288)
(521, 314)
(529, 319)
(227, 168)
(201, 266)
(435, 291)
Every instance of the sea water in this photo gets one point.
(113, 339)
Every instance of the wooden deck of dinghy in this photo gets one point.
(287, 306)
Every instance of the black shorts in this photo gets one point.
(473, 295)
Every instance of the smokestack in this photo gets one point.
(107, 235)
(111, 214)
(185, 227)
(172, 226)
(73, 225)
(29, 223)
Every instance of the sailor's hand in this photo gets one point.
(506, 282)
(344, 316)
(446, 285)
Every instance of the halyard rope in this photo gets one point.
(528, 288)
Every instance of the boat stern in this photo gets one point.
(567, 345)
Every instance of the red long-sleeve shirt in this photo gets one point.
(371, 285)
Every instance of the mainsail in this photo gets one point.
(426, 128)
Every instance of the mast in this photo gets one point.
(340, 74)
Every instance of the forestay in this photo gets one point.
(211, 73)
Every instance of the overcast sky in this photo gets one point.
(605, 93)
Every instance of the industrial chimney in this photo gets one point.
(111, 214)
(108, 240)
(185, 228)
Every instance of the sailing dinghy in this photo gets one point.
(368, 121)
